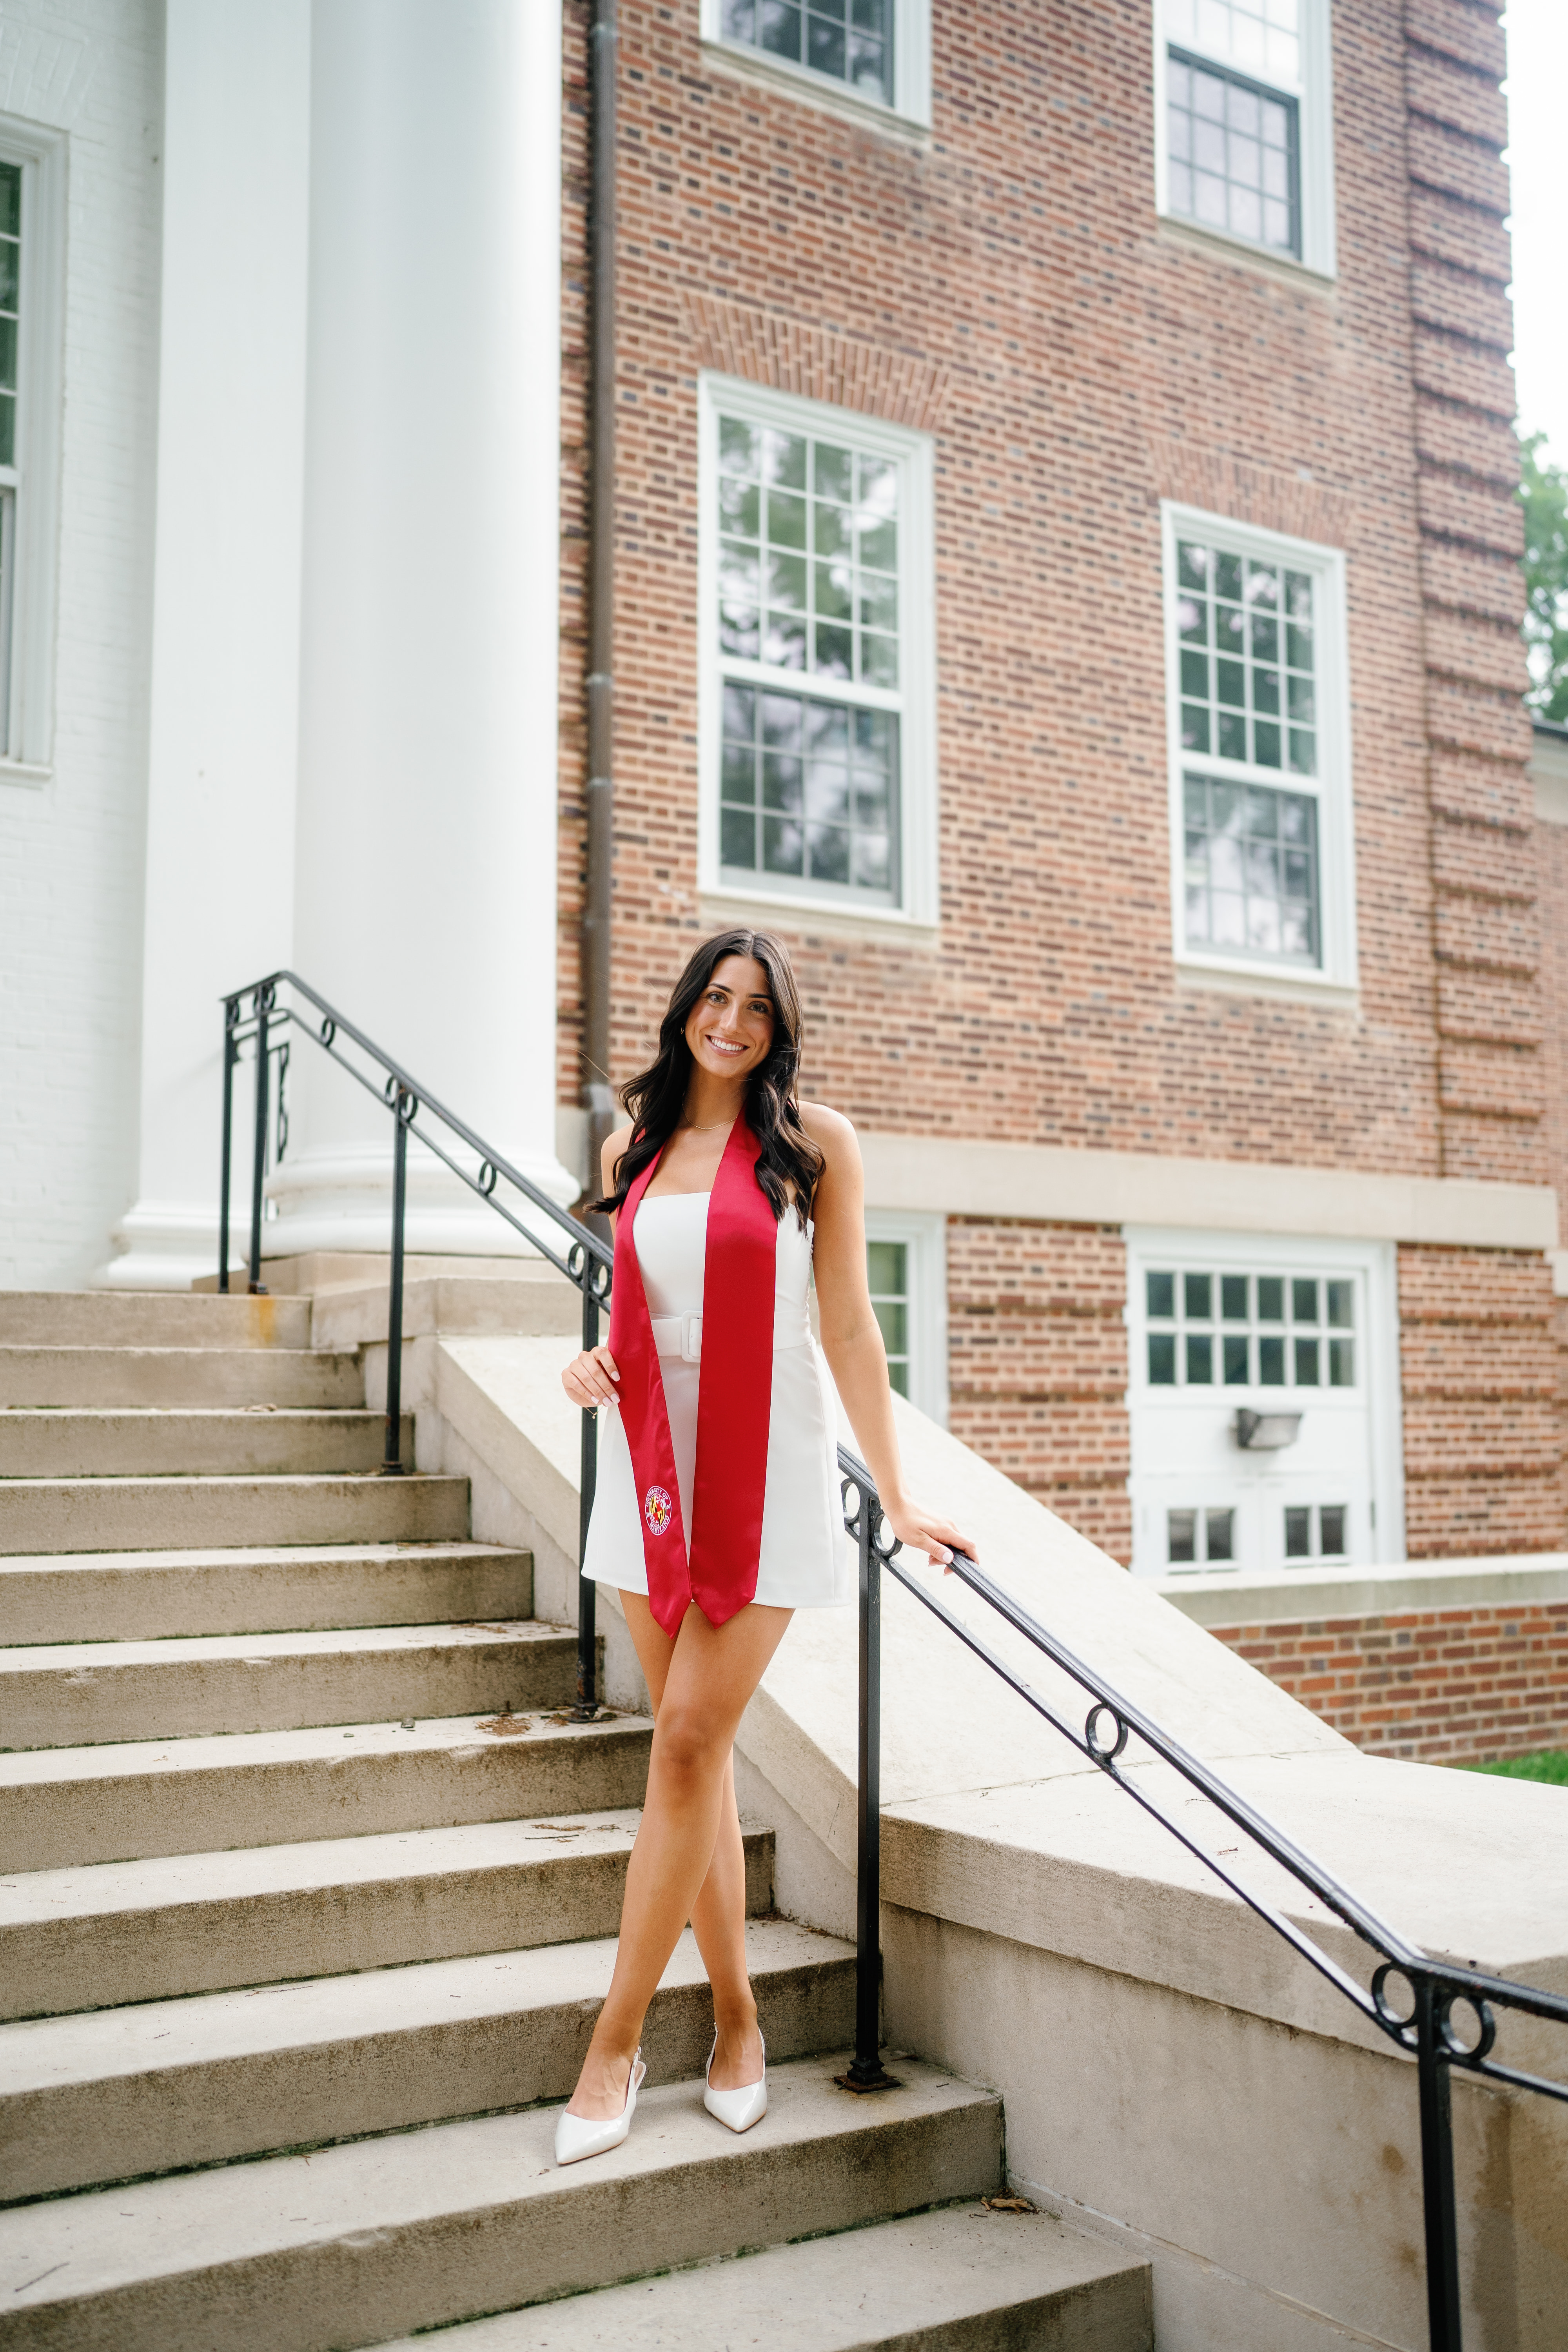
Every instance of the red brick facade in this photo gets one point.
(1442, 1686)
(1037, 1364)
(1003, 283)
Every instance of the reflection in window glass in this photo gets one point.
(851, 41)
(808, 584)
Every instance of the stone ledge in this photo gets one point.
(1224, 1598)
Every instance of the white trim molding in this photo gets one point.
(913, 900)
(923, 1235)
(1059, 1185)
(1312, 90)
(912, 68)
(27, 726)
(1335, 970)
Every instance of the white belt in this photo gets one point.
(682, 1335)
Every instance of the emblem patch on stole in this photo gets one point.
(657, 1509)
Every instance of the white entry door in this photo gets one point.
(1235, 1340)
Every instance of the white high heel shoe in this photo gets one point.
(739, 2109)
(578, 2137)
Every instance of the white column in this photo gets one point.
(223, 722)
(425, 905)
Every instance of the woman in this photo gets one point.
(717, 1510)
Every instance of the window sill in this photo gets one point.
(1221, 248)
(1240, 979)
(731, 905)
(23, 771)
(799, 81)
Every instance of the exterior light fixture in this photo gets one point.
(1265, 1433)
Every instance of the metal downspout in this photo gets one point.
(597, 1097)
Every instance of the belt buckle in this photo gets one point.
(691, 1339)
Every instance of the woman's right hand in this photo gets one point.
(590, 1379)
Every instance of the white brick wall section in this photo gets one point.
(71, 851)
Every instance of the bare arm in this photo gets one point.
(852, 1338)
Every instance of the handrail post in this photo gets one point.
(404, 1108)
(230, 1056)
(264, 1002)
(866, 2070)
(1434, 2076)
(587, 1708)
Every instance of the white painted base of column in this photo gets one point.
(169, 1244)
(342, 1201)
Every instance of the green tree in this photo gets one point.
(1543, 493)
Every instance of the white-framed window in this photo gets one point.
(1264, 1402)
(816, 660)
(31, 239)
(906, 1263)
(1262, 847)
(874, 51)
(1243, 123)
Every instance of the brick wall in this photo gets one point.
(1037, 1364)
(1006, 284)
(1483, 1423)
(1486, 932)
(1441, 1685)
(1008, 278)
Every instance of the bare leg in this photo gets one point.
(710, 1675)
(719, 1914)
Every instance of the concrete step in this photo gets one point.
(75, 1695)
(167, 2085)
(65, 1807)
(356, 2244)
(149, 1318)
(175, 1376)
(143, 1596)
(963, 2280)
(159, 1442)
(116, 1932)
(54, 1514)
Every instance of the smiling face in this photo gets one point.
(730, 1029)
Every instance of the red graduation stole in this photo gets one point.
(716, 1566)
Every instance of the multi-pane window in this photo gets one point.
(816, 683)
(808, 554)
(888, 1271)
(1257, 748)
(1316, 1530)
(1249, 659)
(1232, 1329)
(851, 41)
(1233, 148)
(1200, 1539)
(1245, 144)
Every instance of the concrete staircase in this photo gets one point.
(309, 1898)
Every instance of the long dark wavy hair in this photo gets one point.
(789, 1163)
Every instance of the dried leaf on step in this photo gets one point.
(1008, 2205)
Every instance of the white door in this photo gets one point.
(1260, 1404)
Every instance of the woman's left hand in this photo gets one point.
(928, 1531)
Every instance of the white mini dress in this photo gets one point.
(807, 1561)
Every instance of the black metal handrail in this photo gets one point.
(1427, 2032)
(570, 1246)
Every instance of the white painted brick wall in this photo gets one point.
(71, 851)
